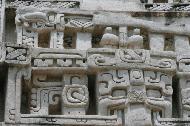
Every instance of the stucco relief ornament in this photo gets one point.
(75, 95)
(95, 63)
(30, 15)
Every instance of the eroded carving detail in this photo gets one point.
(75, 95)
(137, 56)
(78, 22)
(41, 98)
(17, 54)
(101, 64)
(40, 4)
(59, 58)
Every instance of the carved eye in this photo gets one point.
(67, 20)
(153, 93)
(119, 93)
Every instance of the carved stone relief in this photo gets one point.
(95, 63)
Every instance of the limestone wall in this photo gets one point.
(94, 63)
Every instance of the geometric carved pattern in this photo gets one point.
(39, 4)
(75, 95)
(167, 7)
(94, 63)
(17, 54)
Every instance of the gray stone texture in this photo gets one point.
(94, 63)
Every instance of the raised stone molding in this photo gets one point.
(95, 63)
(71, 120)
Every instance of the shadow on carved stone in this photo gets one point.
(3, 81)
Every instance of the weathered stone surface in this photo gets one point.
(95, 63)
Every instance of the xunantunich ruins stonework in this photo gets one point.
(94, 62)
